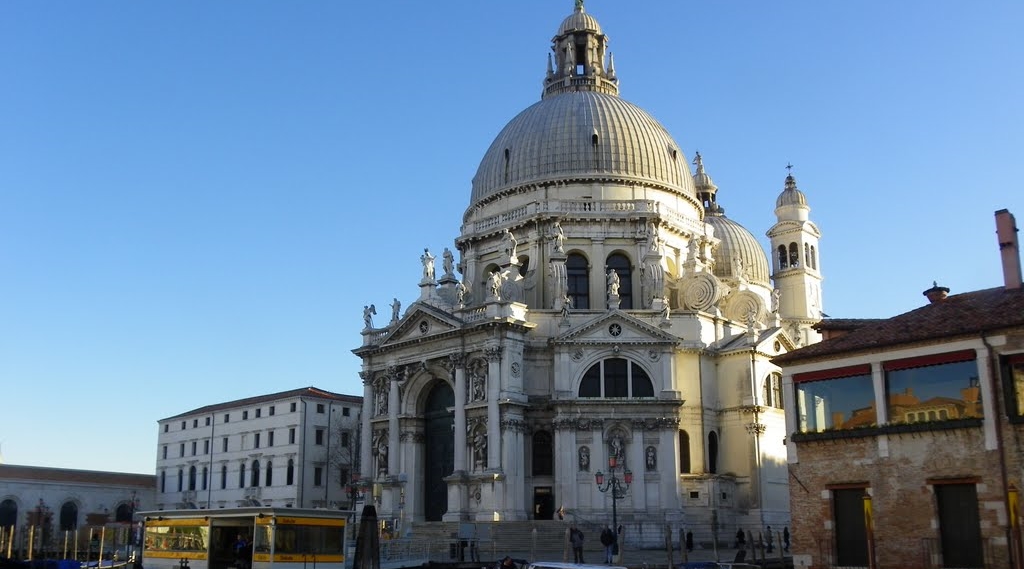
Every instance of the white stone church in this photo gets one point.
(597, 305)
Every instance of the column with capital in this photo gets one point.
(394, 376)
(366, 437)
(493, 354)
(458, 362)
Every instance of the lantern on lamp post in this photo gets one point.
(617, 486)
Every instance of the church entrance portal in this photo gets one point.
(543, 503)
(440, 450)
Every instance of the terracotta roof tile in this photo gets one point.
(302, 392)
(67, 475)
(964, 314)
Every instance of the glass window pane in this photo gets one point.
(615, 380)
(591, 384)
(934, 393)
(642, 386)
(845, 403)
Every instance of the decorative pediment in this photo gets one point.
(619, 328)
(421, 321)
(771, 342)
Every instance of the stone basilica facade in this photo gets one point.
(601, 306)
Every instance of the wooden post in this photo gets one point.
(668, 546)
(869, 527)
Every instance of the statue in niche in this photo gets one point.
(448, 262)
(382, 458)
(381, 394)
(460, 294)
(616, 448)
(396, 307)
(570, 56)
(478, 381)
(479, 450)
(566, 306)
(613, 283)
(428, 265)
(584, 459)
(368, 313)
(495, 284)
(559, 237)
(651, 458)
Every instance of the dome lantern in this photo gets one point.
(580, 48)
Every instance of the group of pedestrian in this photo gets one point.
(608, 540)
(769, 539)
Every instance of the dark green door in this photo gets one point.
(959, 525)
(440, 450)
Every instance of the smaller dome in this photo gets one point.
(736, 241)
(791, 195)
(579, 21)
(701, 180)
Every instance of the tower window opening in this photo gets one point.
(622, 267)
(507, 153)
(594, 139)
(812, 259)
(794, 255)
(578, 280)
(783, 258)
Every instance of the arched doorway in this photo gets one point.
(440, 447)
(8, 514)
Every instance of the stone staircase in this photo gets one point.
(496, 539)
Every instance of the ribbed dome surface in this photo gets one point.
(554, 139)
(791, 195)
(737, 241)
(578, 21)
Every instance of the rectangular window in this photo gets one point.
(616, 383)
(165, 452)
(181, 450)
(205, 474)
(319, 436)
(344, 439)
(258, 411)
(318, 476)
(845, 402)
(345, 411)
(227, 417)
(207, 421)
(206, 446)
(270, 438)
(344, 476)
(919, 391)
(1013, 371)
(194, 444)
(319, 407)
(291, 436)
(850, 531)
(292, 407)
(223, 477)
(256, 440)
(245, 415)
(166, 427)
(270, 411)
(183, 425)
(959, 525)
(195, 423)
(224, 445)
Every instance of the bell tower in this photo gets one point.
(795, 269)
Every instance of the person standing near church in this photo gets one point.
(576, 540)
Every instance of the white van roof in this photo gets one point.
(563, 565)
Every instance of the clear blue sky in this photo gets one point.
(197, 198)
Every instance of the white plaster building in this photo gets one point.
(294, 449)
(606, 306)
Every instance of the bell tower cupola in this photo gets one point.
(580, 50)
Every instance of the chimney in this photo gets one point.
(936, 293)
(1006, 233)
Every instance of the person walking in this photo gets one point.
(785, 538)
(769, 537)
(741, 539)
(576, 539)
(608, 541)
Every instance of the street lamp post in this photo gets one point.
(617, 486)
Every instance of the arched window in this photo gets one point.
(783, 258)
(616, 377)
(181, 480)
(507, 153)
(69, 516)
(807, 255)
(621, 265)
(713, 452)
(269, 478)
(241, 475)
(794, 255)
(813, 259)
(206, 477)
(163, 481)
(684, 452)
(773, 391)
(485, 283)
(289, 473)
(542, 454)
(255, 474)
(123, 513)
(577, 271)
(224, 477)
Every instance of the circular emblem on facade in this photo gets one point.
(778, 346)
(654, 355)
(615, 329)
(515, 369)
(424, 327)
(578, 354)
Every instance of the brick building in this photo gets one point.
(905, 447)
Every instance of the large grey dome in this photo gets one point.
(582, 135)
(736, 241)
